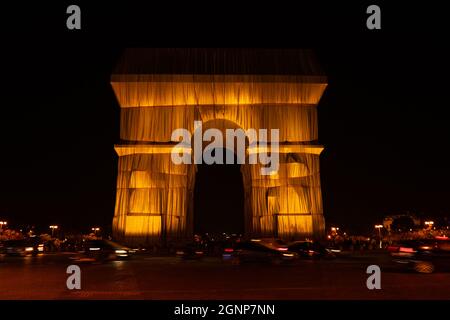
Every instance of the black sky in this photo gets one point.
(383, 118)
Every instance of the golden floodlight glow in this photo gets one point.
(183, 90)
(154, 197)
(124, 150)
(298, 148)
(137, 226)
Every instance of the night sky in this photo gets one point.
(383, 118)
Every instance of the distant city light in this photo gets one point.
(53, 227)
(379, 227)
(95, 230)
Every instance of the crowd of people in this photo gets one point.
(51, 244)
(361, 243)
(213, 244)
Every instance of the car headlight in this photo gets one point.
(288, 254)
(28, 249)
(120, 251)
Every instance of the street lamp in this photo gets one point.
(95, 229)
(379, 227)
(429, 224)
(53, 229)
(3, 223)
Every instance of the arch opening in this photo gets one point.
(219, 198)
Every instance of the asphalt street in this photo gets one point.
(148, 277)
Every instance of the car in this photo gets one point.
(273, 243)
(104, 250)
(423, 256)
(22, 247)
(2, 251)
(311, 249)
(259, 251)
(191, 251)
(72, 245)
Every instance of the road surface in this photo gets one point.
(147, 277)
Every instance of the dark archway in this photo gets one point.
(219, 198)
